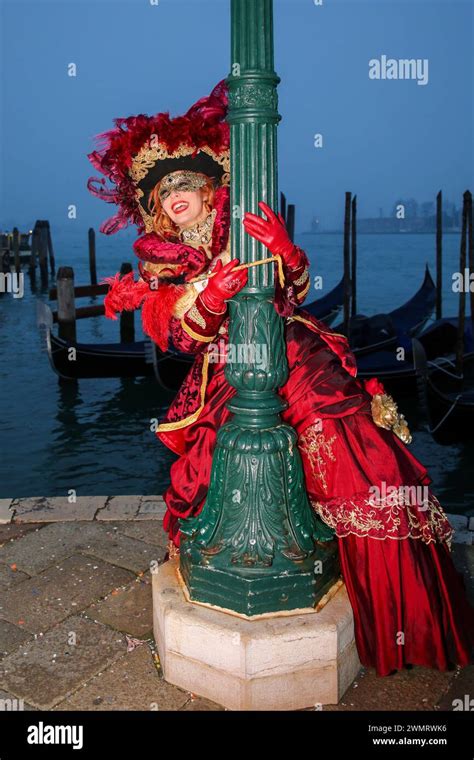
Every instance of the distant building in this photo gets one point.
(417, 218)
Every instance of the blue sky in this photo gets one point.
(381, 138)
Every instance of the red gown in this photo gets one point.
(408, 600)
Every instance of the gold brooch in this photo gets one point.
(386, 415)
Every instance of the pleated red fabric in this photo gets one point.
(409, 604)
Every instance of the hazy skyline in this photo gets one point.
(382, 138)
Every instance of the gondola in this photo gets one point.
(328, 307)
(144, 358)
(91, 359)
(140, 358)
(385, 331)
(446, 398)
(397, 372)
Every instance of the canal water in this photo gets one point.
(95, 436)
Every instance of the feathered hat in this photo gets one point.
(141, 150)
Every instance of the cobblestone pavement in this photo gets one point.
(76, 614)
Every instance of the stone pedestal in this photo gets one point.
(273, 662)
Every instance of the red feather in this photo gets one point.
(124, 294)
(127, 294)
(157, 312)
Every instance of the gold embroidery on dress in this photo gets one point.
(319, 450)
(363, 517)
(194, 335)
(164, 426)
(196, 316)
(187, 300)
(302, 278)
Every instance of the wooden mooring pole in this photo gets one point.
(16, 249)
(439, 255)
(66, 304)
(347, 263)
(470, 248)
(290, 221)
(34, 248)
(462, 294)
(354, 256)
(5, 260)
(283, 205)
(92, 265)
(43, 250)
(52, 265)
(127, 322)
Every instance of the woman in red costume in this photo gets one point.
(171, 179)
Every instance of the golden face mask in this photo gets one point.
(183, 180)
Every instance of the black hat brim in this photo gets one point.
(202, 163)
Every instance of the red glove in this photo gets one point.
(223, 285)
(272, 233)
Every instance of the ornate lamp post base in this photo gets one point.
(252, 594)
(257, 546)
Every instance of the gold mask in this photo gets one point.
(183, 180)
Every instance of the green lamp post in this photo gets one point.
(257, 545)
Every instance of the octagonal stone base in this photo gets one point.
(286, 661)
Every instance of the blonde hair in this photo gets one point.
(162, 224)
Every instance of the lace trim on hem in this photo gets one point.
(391, 518)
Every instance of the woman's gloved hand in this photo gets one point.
(273, 234)
(224, 284)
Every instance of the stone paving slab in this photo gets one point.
(127, 609)
(12, 531)
(149, 531)
(11, 637)
(131, 683)
(47, 670)
(463, 537)
(459, 522)
(40, 549)
(11, 576)
(411, 689)
(60, 590)
(460, 695)
(6, 513)
(53, 509)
